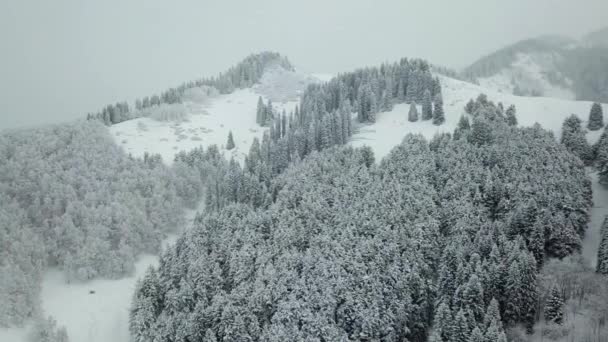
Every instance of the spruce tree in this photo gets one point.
(469, 108)
(230, 142)
(481, 132)
(511, 117)
(602, 252)
(554, 308)
(573, 137)
(463, 123)
(438, 114)
(412, 116)
(476, 336)
(427, 106)
(461, 331)
(596, 117)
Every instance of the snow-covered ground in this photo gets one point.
(391, 127)
(206, 124)
(209, 122)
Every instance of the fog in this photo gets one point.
(61, 59)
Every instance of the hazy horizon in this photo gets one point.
(65, 58)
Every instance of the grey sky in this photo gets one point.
(63, 58)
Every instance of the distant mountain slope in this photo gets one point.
(552, 66)
(597, 38)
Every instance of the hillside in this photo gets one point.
(208, 121)
(205, 117)
(552, 66)
(391, 127)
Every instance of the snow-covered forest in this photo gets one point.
(72, 199)
(444, 237)
(474, 234)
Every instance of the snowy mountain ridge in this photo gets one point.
(552, 66)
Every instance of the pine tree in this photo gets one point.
(260, 117)
(511, 117)
(438, 114)
(463, 123)
(573, 137)
(513, 296)
(481, 132)
(400, 92)
(469, 108)
(436, 337)
(461, 330)
(230, 143)
(492, 315)
(495, 334)
(427, 106)
(268, 114)
(554, 308)
(412, 116)
(443, 321)
(476, 336)
(596, 117)
(602, 252)
(470, 296)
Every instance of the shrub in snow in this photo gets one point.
(166, 112)
(199, 94)
(556, 331)
(46, 330)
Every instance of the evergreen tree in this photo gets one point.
(260, 117)
(427, 106)
(436, 337)
(476, 336)
(268, 114)
(463, 123)
(230, 142)
(438, 114)
(481, 132)
(443, 321)
(596, 117)
(554, 308)
(412, 116)
(511, 117)
(492, 315)
(602, 252)
(401, 92)
(573, 137)
(495, 334)
(469, 108)
(461, 331)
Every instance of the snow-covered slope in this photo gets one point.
(391, 127)
(553, 66)
(208, 122)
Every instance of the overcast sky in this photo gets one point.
(63, 58)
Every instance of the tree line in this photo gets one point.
(243, 75)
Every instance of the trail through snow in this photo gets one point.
(591, 242)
